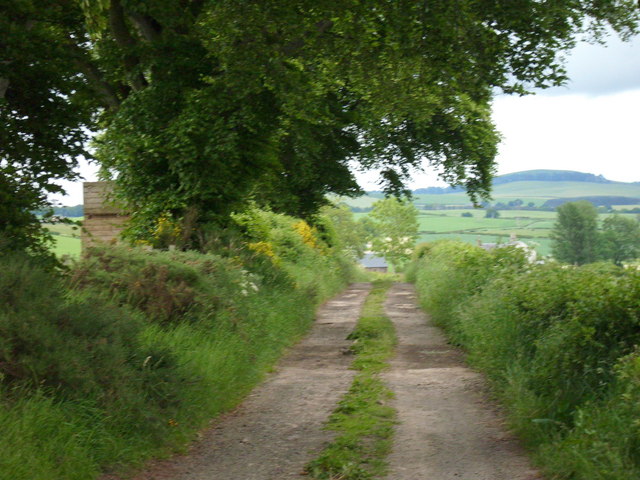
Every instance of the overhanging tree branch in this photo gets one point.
(125, 40)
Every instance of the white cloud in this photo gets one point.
(572, 132)
(596, 69)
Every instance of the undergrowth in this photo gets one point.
(559, 344)
(128, 354)
(363, 420)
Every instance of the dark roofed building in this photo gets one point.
(374, 263)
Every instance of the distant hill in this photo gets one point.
(550, 176)
(527, 176)
(530, 189)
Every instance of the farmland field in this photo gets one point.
(533, 230)
(66, 239)
(66, 246)
(440, 215)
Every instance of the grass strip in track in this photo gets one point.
(363, 419)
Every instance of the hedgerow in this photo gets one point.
(131, 351)
(559, 345)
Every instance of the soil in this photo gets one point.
(448, 429)
(279, 428)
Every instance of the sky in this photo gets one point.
(590, 125)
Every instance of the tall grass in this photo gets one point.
(131, 352)
(559, 345)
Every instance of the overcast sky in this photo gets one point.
(590, 125)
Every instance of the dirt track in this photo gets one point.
(447, 430)
(278, 429)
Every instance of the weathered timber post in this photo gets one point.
(103, 222)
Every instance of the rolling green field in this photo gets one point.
(534, 192)
(533, 230)
(531, 227)
(66, 239)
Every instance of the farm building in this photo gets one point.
(373, 263)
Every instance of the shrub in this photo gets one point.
(73, 345)
(166, 286)
(557, 342)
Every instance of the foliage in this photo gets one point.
(492, 213)
(203, 105)
(272, 99)
(44, 113)
(344, 232)
(70, 351)
(620, 239)
(131, 352)
(575, 233)
(21, 230)
(558, 344)
(363, 420)
(170, 288)
(395, 225)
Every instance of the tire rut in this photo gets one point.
(448, 429)
(279, 427)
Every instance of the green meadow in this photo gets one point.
(530, 226)
(66, 239)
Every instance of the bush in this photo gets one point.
(131, 352)
(61, 342)
(558, 344)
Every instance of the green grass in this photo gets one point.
(459, 224)
(193, 334)
(66, 246)
(66, 239)
(363, 420)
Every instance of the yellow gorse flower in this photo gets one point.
(266, 249)
(307, 233)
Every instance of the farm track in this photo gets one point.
(448, 430)
(278, 428)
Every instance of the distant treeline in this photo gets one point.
(75, 211)
(526, 176)
(603, 201)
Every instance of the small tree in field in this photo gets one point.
(396, 225)
(575, 233)
(620, 239)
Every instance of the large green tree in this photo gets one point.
(204, 104)
(575, 233)
(221, 101)
(44, 107)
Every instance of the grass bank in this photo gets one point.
(559, 344)
(363, 420)
(130, 353)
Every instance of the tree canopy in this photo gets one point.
(203, 105)
(43, 109)
(575, 233)
(395, 228)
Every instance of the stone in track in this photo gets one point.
(279, 427)
(448, 429)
